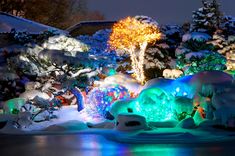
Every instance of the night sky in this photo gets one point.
(164, 11)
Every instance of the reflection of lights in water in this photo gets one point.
(160, 150)
(96, 145)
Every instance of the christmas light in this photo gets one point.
(134, 36)
(100, 99)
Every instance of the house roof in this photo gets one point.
(89, 27)
(9, 22)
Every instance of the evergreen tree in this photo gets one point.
(208, 18)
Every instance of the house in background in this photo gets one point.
(9, 22)
(89, 27)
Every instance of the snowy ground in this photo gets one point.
(72, 122)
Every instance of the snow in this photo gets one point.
(70, 121)
(124, 80)
(196, 36)
(199, 55)
(172, 136)
(68, 44)
(148, 118)
(9, 22)
(67, 117)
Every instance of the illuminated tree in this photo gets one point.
(134, 36)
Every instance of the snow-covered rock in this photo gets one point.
(209, 77)
(187, 123)
(207, 124)
(128, 122)
(225, 115)
(164, 124)
(105, 125)
(183, 104)
(72, 125)
(123, 106)
(224, 99)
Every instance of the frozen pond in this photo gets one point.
(95, 145)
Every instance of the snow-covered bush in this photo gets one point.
(173, 37)
(195, 54)
(22, 37)
(64, 43)
(156, 60)
(97, 42)
(228, 25)
(172, 73)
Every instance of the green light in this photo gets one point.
(14, 105)
(111, 72)
(154, 104)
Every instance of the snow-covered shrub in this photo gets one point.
(173, 37)
(97, 42)
(156, 60)
(230, 61)
(22, 37)
(146, 19)
(228, 25)
(172, 73)
(64, 43)
(195, 54)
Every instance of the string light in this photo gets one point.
(134, 36)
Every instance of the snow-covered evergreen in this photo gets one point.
(195, 54)
(207, 18)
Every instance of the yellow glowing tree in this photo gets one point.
(134, 36)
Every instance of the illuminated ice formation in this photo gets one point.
(154, 104)
(100, 99)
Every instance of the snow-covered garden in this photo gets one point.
(137, 82)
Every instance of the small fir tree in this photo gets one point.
(208, 18)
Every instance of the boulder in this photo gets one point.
(187, 123)
(130, 122)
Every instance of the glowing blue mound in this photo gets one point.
(154, 104)
(101, 98)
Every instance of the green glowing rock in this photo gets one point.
(13, 106)
(154, 104)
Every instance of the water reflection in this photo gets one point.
(95, 145)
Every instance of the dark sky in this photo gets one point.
(164, 11)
